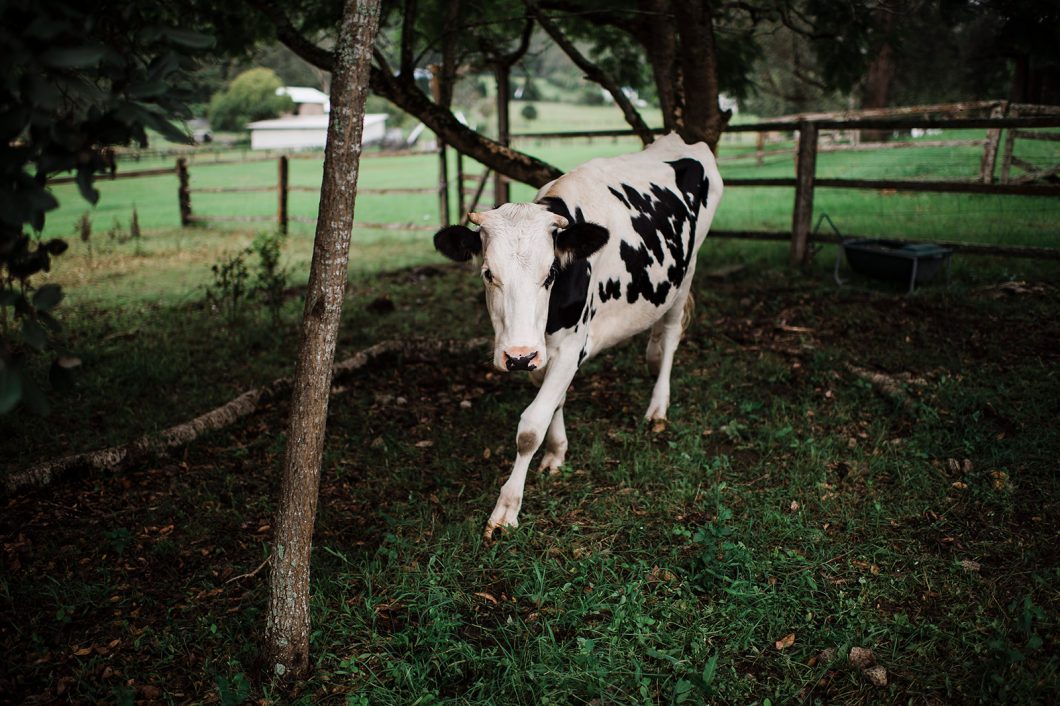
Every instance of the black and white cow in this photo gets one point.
(604, 252)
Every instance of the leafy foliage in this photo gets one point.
(234, 289)
(251, 96)
(77, 78)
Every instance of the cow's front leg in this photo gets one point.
(533, 425)
(665, 335)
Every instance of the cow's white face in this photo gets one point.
(522, 247)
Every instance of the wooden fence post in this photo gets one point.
(993, 137)
(183, 192)
(802, 216)
(281, 193)
(1010, 145)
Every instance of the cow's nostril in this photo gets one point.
(524, 362)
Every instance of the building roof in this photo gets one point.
(304, 94)
(308, 122)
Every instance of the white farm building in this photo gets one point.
(303, 132)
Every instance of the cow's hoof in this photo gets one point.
(495, 532)
(551, 462)
(656, 412)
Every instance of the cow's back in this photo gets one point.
(657, 205)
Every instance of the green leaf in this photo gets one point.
(34, 334)
(709, 670)
(56, 246)
(10, 389)
(33, 397)
(84, 185)
(61, 377)
(186, 38)
(72, 57)
(148, 89)
(48, 297)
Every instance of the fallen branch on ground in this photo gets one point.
(242, 406)
(890, 385)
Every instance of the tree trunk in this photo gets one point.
(876, 91)
(502, 71)
(596, 74)
(286, 648)
(660, 43)
(405, 94)
(698, 69)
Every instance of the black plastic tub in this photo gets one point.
(914, 263)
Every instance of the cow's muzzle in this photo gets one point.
(521, 359)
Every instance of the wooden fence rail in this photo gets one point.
(282, 188)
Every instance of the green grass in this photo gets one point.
(958, 217)
(786, 495)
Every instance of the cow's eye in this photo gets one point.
(488, 275)
(551, 277)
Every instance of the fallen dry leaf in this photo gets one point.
(823, 657)
(1000, 479)
(659, 426)
(970, 566)
(958, 485)
(861, 657)
(425, 444)
(486, 596)
(786, 641)
(876, 674)
(794, 505)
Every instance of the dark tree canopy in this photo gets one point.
(77, 77)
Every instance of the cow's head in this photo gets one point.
(522, 247)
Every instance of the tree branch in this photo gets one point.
(408, 22)
(596, 74)
(245, 404)
(403, 92)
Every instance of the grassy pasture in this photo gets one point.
(787, 495)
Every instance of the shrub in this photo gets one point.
(529, 112)
(271, 279)
(251, 96)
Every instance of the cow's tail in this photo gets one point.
(686, 314)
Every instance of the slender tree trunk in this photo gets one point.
(596, 74)
(502, 71)
(876, 91)
(403, 92)
(286, 648)
(698, 66)
(660, 43)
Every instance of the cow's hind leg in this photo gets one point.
(665, 335)
(555, 442)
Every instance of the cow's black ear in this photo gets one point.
(458, 243)
(581, 240)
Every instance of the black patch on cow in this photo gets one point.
(611, 289)
(458, 243)
(567, 299)
(666, 224)
(581, 240)
(558, 206)
(618, 195)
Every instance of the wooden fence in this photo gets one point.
(1020, 123)
(282, 188)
